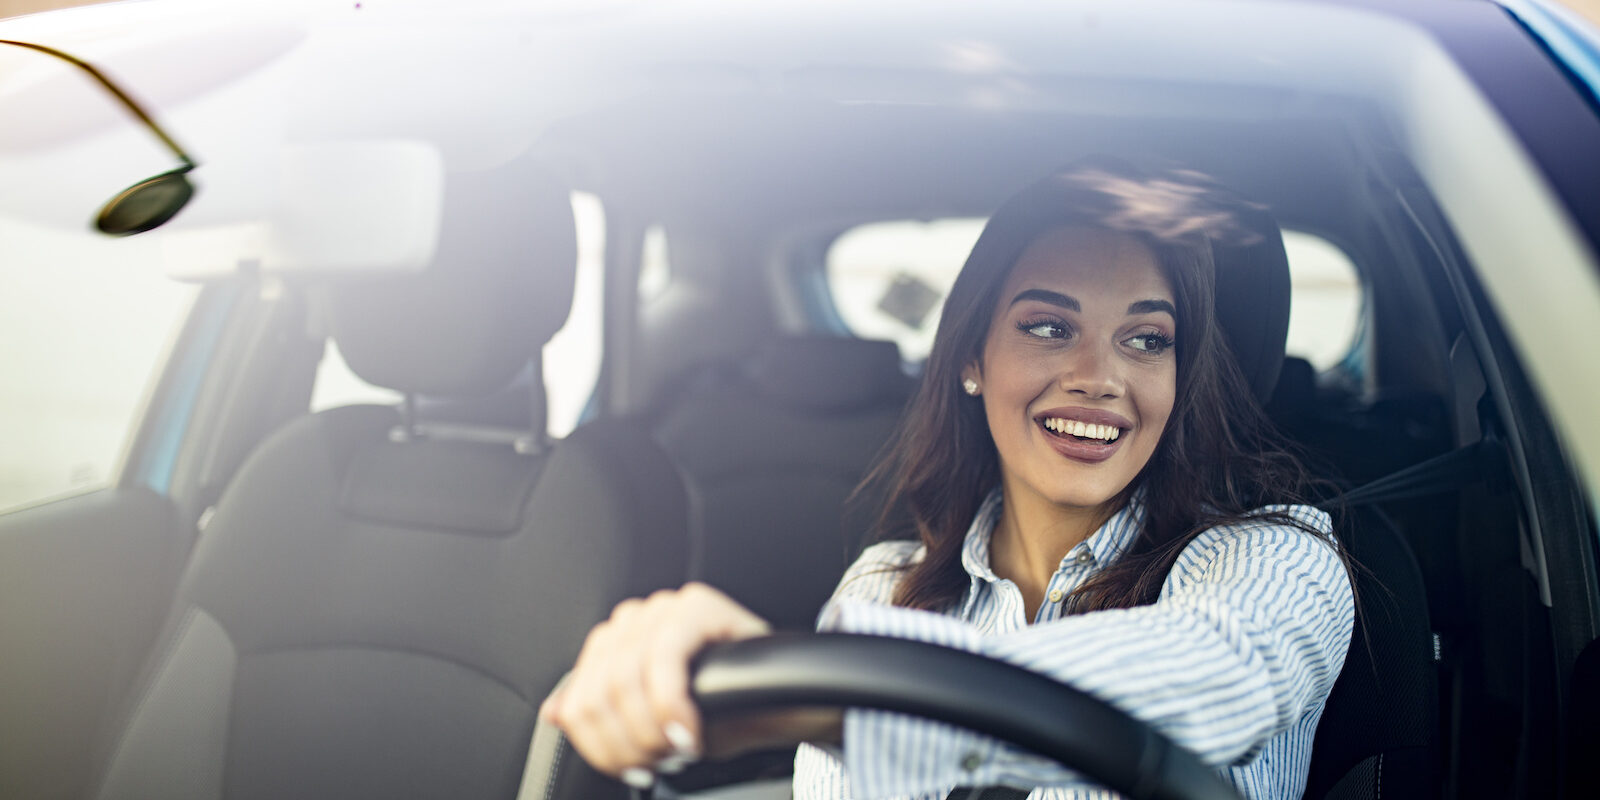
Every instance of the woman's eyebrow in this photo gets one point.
(1151, 307)
(1046, 296)
(1071, 303)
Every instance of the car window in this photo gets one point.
(85, 324)
(1326, 300)
(888, 280)
(571, 358)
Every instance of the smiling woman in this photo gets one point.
(1094, 495)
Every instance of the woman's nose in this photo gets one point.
(1092, 371)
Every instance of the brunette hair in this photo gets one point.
(1218, 459)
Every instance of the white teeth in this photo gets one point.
(1072, 427)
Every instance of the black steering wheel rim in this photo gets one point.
(1023, 708)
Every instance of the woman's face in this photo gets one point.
(1079, 372)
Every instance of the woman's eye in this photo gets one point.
(1044, 329)
(1152, 343)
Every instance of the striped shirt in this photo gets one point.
(1233, 661)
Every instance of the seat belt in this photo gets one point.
(1482, 462)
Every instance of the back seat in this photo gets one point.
(772, 447)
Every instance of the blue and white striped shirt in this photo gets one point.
(1233, 661)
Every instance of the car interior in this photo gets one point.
(372, 599)
(725, 446)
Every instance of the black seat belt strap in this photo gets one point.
(1482, 462)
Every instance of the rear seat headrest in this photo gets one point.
(1253, 301)
(499, 287)
(828, 373)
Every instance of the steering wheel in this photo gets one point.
(990, 697)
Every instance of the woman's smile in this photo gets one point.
(1084, 434)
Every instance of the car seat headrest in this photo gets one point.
(499, 287)
(1252, 303)
(828, 373)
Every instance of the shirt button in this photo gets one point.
(1056, 595)
(971, 761)
(1085, 557)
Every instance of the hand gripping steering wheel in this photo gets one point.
(990, 697)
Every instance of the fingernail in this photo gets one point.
(681, 739)
(638, 777)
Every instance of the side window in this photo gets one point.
(888, 280)
(85, 326)
(1327, 301)
(571, 358)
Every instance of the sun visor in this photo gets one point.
(341, 208)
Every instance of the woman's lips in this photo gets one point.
(1087, 450)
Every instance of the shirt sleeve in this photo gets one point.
(1247, 636)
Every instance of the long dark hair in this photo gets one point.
(1218, 460)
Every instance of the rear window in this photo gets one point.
(888, 280)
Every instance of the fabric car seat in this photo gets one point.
(381, 600)
(772, 446)
(1377, 734)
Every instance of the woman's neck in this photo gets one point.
(1032, 536)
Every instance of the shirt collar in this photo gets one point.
(1105, 544)
(975, 551)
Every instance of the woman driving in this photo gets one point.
(1095, 495)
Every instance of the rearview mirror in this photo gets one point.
(147, 204)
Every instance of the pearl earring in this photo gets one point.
(971, 386)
